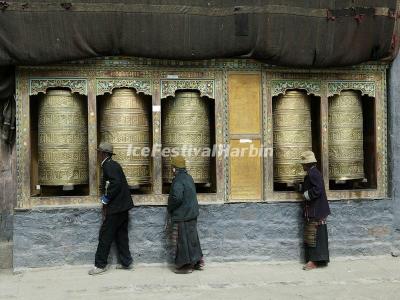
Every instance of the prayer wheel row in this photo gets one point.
(125, 123)
(292, 135)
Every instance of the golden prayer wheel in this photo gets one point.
(346, 154)
(185, 126)
(292, 135)
(62, 132)
(125, 123)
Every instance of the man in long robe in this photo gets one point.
(183, 209)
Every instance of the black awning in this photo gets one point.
(286, 32)
(312, 33)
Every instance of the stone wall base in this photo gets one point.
(229, 232)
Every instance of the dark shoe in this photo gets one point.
(122, 267)
(322, 264)
(184, 270)
(198, 267)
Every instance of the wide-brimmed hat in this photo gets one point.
(178, 162)
(106, 147)
(308, 157)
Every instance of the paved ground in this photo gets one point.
(372, 278)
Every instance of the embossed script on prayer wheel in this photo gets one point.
(346, 155)
(125, 123)
(292, 135)
(62, 131)
(185, 126)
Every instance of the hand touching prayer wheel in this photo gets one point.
(186, 125)
(125, 123)
(292, 135)
(62, 131)
(346, 155)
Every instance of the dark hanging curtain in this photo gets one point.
(7, 104)
(312, 33)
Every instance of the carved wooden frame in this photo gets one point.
(133, 72)
(369, 79)
(101, 78)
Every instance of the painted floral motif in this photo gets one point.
(205, 87)
(41, 85)
(281, 86)
(366, 87)
(107, 85)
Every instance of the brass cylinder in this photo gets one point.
(292, 135)
(62, 133)
(346, 154)
(186, 125)
(125, 123)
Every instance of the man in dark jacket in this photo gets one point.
(316, 210)
(117, 201)
(184, 210)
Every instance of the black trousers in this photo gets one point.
(114, 228)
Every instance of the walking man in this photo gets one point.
(316, 210)
(184, 210)
(117, 202)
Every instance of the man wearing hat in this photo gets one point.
(316, 210)
(184, 210)
(117, 201)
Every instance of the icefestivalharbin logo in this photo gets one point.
(224, 150)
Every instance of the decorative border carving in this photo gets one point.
(220, 132)
(190, 74)
(383, 143)
(205, 86)
(267, 128)
(104, 86)
(226, 138)
(124, 63)
(365, 87)
(18, 141)
(121, 62)
(281, 86)
(77, 85)
(371, 81)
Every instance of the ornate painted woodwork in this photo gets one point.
(125, 123)
(161, 79)
(62, 139)
(345, 125)
(186, 128)
(292, 135)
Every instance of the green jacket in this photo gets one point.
(182, 200)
